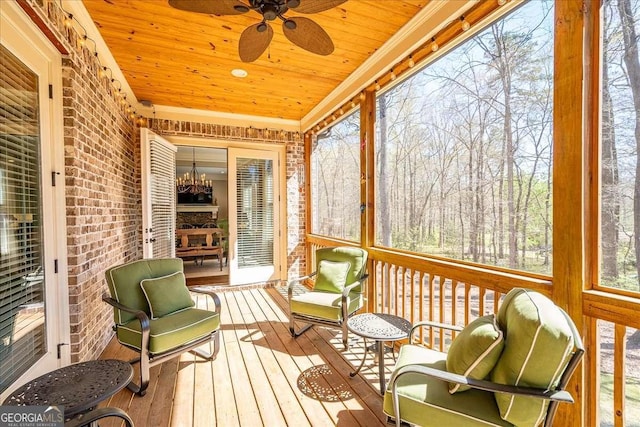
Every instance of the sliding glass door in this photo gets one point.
(254, 216)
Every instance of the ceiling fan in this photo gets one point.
(256, 38)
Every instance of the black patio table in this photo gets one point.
(79, 388)
(379, 327)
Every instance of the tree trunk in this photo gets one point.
(383, 191)
(633, 71)
(610, 205)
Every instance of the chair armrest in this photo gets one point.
(427, 323)
(145, 327)
(290, 284)
(347, 289)
(557, 395)
(209, 292)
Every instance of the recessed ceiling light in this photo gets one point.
(239, 72)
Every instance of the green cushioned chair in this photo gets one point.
(336, 294)
(530, 371)
(154, 314)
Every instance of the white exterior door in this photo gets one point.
(158, 195)
(254, 216)
(34, 319)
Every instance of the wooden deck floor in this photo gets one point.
(262, 376)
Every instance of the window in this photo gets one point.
(464, 146)
(619, 177)
(335, 178)
(22, 315)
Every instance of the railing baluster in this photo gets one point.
(412, 297)
(454, 306)
(431, 294)
(385, 289)
(467, 305)
(443, 287)
(421, 303)
(401, 291)
(619, 376)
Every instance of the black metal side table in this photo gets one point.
(378, 327)
(79, 388)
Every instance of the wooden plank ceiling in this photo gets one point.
(184, 59)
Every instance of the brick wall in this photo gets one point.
(102, 177)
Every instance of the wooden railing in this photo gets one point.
(422, 288)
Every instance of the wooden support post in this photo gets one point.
(367, 189)
(308, 142)
(569, 175)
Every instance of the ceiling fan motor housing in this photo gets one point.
(270, 11)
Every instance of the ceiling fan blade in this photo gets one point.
(309, 36)
(253, 43)
(214, 7)
(315, 6)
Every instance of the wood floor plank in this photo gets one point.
(317, 377)
(368, 411)
(162, 404)
(248, 412)
(289, 354)
(223, 398)
(263, 392)
(124, 398)
(203, 409)
(182, 411)
(287, 401)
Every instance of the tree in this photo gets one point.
(610, 206)
(632, 64)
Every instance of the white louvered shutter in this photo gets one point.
(159, 177)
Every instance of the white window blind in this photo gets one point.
(255, 212)
(163, 199)
(22, 325)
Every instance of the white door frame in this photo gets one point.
(20, 35)
(281, 151)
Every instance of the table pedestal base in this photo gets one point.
(379, 348)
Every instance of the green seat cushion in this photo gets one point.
(171, 331)
(332, 276)
(124, 283)
(166, 294)
(426, 401)
(324, 305)
(538, 347)
(475, 351)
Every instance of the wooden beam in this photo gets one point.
(367, 190)
(568, 174)
(39, 22)
(308, 145)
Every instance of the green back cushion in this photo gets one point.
(538, 347)
(166, 294)
(356, 257)
(124, 283)
(475, 351)
(332, 276)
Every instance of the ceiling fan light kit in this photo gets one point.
(255, 39)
